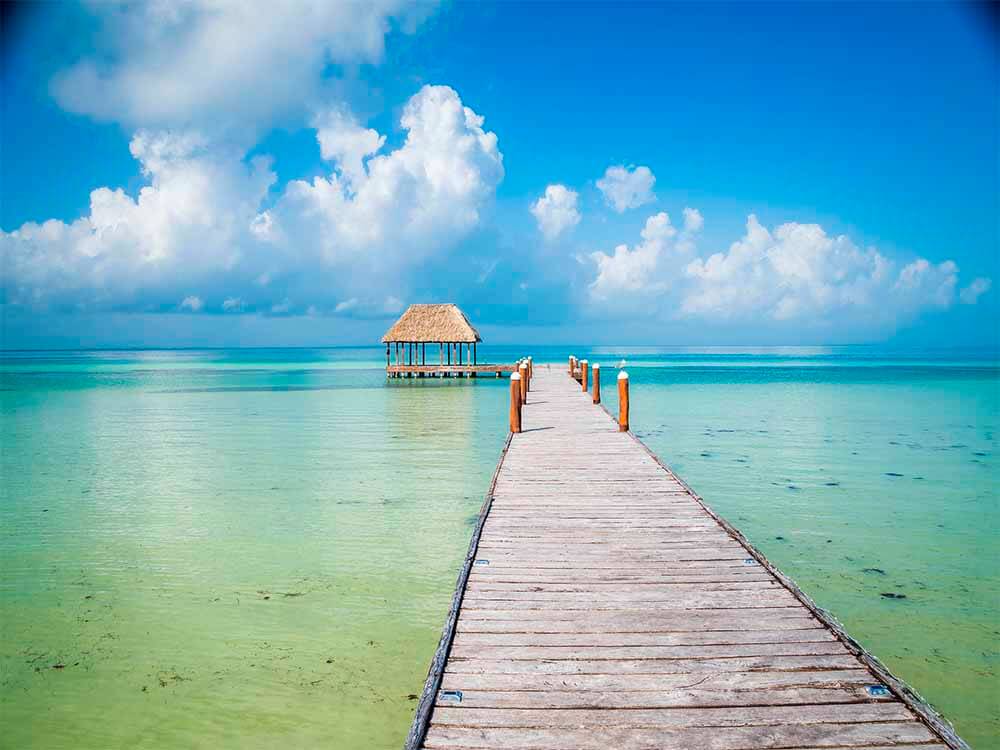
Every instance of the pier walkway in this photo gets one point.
(603, 605)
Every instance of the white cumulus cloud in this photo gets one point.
(556, 211)
(637, 268)
(971, 294)
(627, 187)
(192, 303)
(223, 63)
(190, 221)
(398, 207)
(795, 272)
(199, 221)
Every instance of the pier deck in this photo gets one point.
(603, 605)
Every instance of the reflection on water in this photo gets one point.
(252, 547)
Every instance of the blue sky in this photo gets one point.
(651, 173)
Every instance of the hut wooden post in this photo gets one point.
(388, 360)
(583, 375)
(623, 401)
(515, 402)
(475, 354)
(523, 371)
(597, 383)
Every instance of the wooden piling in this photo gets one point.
(515, 402)
(523, 371)
(623, 401)
(584, 366)
(571, 358)
(597, 382)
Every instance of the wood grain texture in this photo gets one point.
(604, 605)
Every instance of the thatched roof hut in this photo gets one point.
(424, 324)
(444, 325)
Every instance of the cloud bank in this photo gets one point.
(196, 237)
(793, 272)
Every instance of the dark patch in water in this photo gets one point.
(780, 538)
(879, 571)
(792, 487)
(892, 595)
(705, 454)
(980, 453)
(832, 484)
(892, 474)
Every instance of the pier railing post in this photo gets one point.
(527, 375)
(571, 358)
(523, 370)
(584, 365)
(515, 402)
(597, 383)
(623, 401)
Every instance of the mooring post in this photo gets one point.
(571, 363)
(583, 375)
(527, 375)
(523, 370)
(623, 401)
(531, 367)
(515, 402)
(597, 382)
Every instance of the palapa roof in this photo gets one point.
(432, 323)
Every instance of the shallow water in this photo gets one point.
(240, 548)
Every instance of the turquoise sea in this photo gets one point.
(247, 548)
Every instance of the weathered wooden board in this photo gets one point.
(604, 606)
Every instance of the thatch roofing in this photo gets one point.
(432, 323)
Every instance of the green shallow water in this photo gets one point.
(246, 548)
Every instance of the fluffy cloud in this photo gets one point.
(626, 188)
(399, 207)
(797, 271)
(971, 294)
(198, 231)
(190, 221)
(193, 64)
(638, 268)
(192, 303)
(556, 211)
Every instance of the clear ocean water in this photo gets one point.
(241, 548)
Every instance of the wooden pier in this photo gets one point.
(603, 605)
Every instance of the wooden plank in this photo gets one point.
(603, 604)
(634, 738)
(785, 638)
(733, 716)
(676, 698)
(745, 681)
(618, 651)
(632, 664)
